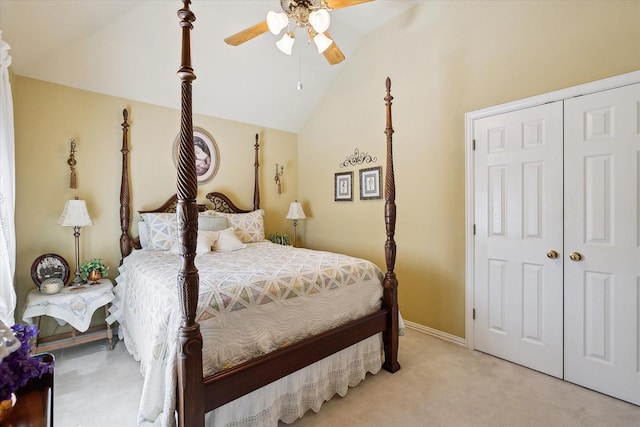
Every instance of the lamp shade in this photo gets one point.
(75, 214)
(296, 211)
(320, 20)
(285, 44)
(322, 42)
(276, 21)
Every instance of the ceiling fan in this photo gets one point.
(309, 15)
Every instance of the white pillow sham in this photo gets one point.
(142, 235)
(162, 230)
(158, 231)
(249, 227)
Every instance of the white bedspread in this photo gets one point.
(251, 302)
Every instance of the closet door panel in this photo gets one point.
(518, 216)
(602, 266)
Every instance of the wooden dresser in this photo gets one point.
(34, 407)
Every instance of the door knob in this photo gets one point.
(575, 256)
(552, 254)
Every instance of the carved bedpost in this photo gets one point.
(256, 179)
(190, 384)
(390, 293)
(125, 197)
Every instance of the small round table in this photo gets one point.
(74, 305)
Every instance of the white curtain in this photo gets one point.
(7, 192)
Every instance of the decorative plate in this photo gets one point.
(49, 266)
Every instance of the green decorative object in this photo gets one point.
(94, 264)
(280, 239)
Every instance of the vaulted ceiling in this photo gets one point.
(131, 49)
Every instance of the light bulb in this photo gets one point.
(320, 20)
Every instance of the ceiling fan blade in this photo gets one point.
(339, 4)
(248, 34)
(333, 54)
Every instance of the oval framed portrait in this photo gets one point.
(49, 266)
(207, 154)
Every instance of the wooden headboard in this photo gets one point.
(169, 206)
(219, 201)
(222, 203)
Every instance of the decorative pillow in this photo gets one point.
(249, 227)
(212, 223)
(162, 230)
(228, 241)
(206, 241)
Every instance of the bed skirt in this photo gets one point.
(288, 398)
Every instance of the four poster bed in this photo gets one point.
(251, 321)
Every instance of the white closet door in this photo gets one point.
(518, 219)
(602, 289)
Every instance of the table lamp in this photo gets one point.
(75, 215)
(295, 213)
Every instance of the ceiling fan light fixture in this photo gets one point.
(276, 21)
(285, 44)
(320, 20)
(322, 42)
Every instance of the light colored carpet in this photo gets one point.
(440, 384)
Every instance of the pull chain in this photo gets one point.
(299, 85)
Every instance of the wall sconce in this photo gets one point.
(279, 173)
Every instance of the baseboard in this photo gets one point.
(435, 333)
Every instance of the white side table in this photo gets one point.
(74, 305)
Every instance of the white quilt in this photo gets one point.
(251, 302)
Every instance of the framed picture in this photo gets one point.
(370, 183)
(207, 154)
(49, 266)
(343, 186)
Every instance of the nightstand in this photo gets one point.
(74, 305)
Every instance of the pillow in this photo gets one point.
(162, 230)
(206, 241)
(142, 235)
(212, 223)
(228, 241)
(249, 227)
(204, 245)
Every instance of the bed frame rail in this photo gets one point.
(253, 374)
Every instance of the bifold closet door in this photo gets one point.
(602, 242)
(518, 240)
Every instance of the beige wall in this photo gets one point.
(445, 58)
(47, 116)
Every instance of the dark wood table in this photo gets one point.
(34, 407)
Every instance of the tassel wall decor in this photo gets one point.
(72, 164)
